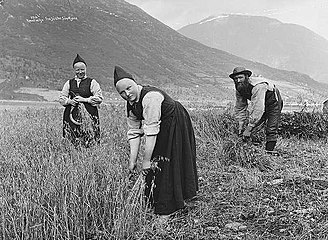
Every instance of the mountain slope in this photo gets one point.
(266, 40)
(39, 40)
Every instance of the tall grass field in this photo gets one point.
(50, 189)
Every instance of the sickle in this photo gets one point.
(72, 119)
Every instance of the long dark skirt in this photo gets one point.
(175, 178)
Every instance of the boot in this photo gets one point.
(269, 146)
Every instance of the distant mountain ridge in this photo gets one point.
(266, 40)
(40, 38)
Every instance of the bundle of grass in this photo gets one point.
(85, 126)
(134, 205)
(219, 130)
(245, 154)
(307, 125)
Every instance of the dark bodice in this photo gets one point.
(167, 107)
(82, 90)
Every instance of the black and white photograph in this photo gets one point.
(163, 119)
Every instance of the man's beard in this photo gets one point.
(244, 88)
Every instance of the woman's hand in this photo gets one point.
(149, 147)
(134, 148)
(72, 102)
(132, 166)
(146, 164)
(80, 99)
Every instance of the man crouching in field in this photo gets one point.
(265, 105)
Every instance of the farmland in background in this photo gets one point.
(50, 190)
(191, 105)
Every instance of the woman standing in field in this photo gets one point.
(169, 161)
(80, 90)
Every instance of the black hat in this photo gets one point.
(120, 73)
(240, 70)
(78, 59)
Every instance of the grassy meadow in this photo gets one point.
(51, 190)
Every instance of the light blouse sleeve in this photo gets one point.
(97, 96)
(63, 98)
(152, 104)
(135, 126)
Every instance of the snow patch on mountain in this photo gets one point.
(213, 18)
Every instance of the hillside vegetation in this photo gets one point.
(40, 39)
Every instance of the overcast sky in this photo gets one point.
(312, 14)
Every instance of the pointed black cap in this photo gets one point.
(78, 59)
(120, 73)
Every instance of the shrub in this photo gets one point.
(308, 125)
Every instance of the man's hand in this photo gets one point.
(241, 128)
(246, 135)
(240, 132)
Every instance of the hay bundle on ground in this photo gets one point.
(220, 130)
(245, 154)
(85, 127)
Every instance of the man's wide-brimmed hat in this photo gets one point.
(240, 70)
